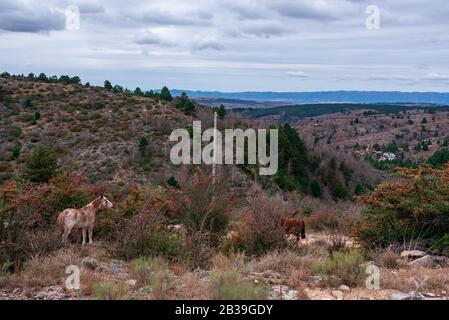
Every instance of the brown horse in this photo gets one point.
(294, 226)
(83, 218)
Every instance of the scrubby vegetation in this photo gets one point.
(414, 209)
(181, 232)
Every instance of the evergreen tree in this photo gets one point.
(185, 104)
(316, 189)
(165, 94)
(29, 102)
(42, 165)
(293, 160)
(138, 92)
(107, 85)
(221, 112)
(118, 89)
(439, 158)
(42, 77)
(16, 150)
(75, 80)
(143, 144)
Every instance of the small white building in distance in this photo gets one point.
(387, 156)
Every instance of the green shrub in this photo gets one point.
(230, 285)
(110, 290)
(146, 234)
(29, 102)
(143, 268)
(95, 116)
(439, 158)
(15, 133)
(16, 150)
(172, 182)
(316, 189)
(415, 209)
(341, 268)
(203, 204)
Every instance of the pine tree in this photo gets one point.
(42, 165)
(221, 112)
(107, 85)
(138, 92)
(143, 144)
(185, 104)
(165, 94)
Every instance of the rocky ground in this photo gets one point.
(419, 277)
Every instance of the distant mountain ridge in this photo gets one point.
(327, 96)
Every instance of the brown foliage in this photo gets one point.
(260, 229)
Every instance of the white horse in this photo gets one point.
(83, 218)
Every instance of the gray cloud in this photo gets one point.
(90, 8)
(233, 45)
(262, 28)
(25, 17)
(147, 37)
(246, 9)
(168, 17)
(208, 43)
(312, 9)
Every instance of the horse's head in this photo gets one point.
(105, 203)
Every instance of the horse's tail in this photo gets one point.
(60, 222)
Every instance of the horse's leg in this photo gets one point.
(84, 235)
(303, 231)
(64, 236)
(90, 234)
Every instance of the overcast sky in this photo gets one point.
(230, 45)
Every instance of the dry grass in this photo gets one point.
(8, 280)
(298, 281)
(388, 259)
(87, 282)
(233, 261)
(154, 273)
(190, 286)
(48, 270)
(162, 285)
(110, 290)
(337, 242)
(279, 261)
(428, 280)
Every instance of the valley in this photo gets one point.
(187, 232)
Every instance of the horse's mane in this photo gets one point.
(95, 201)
